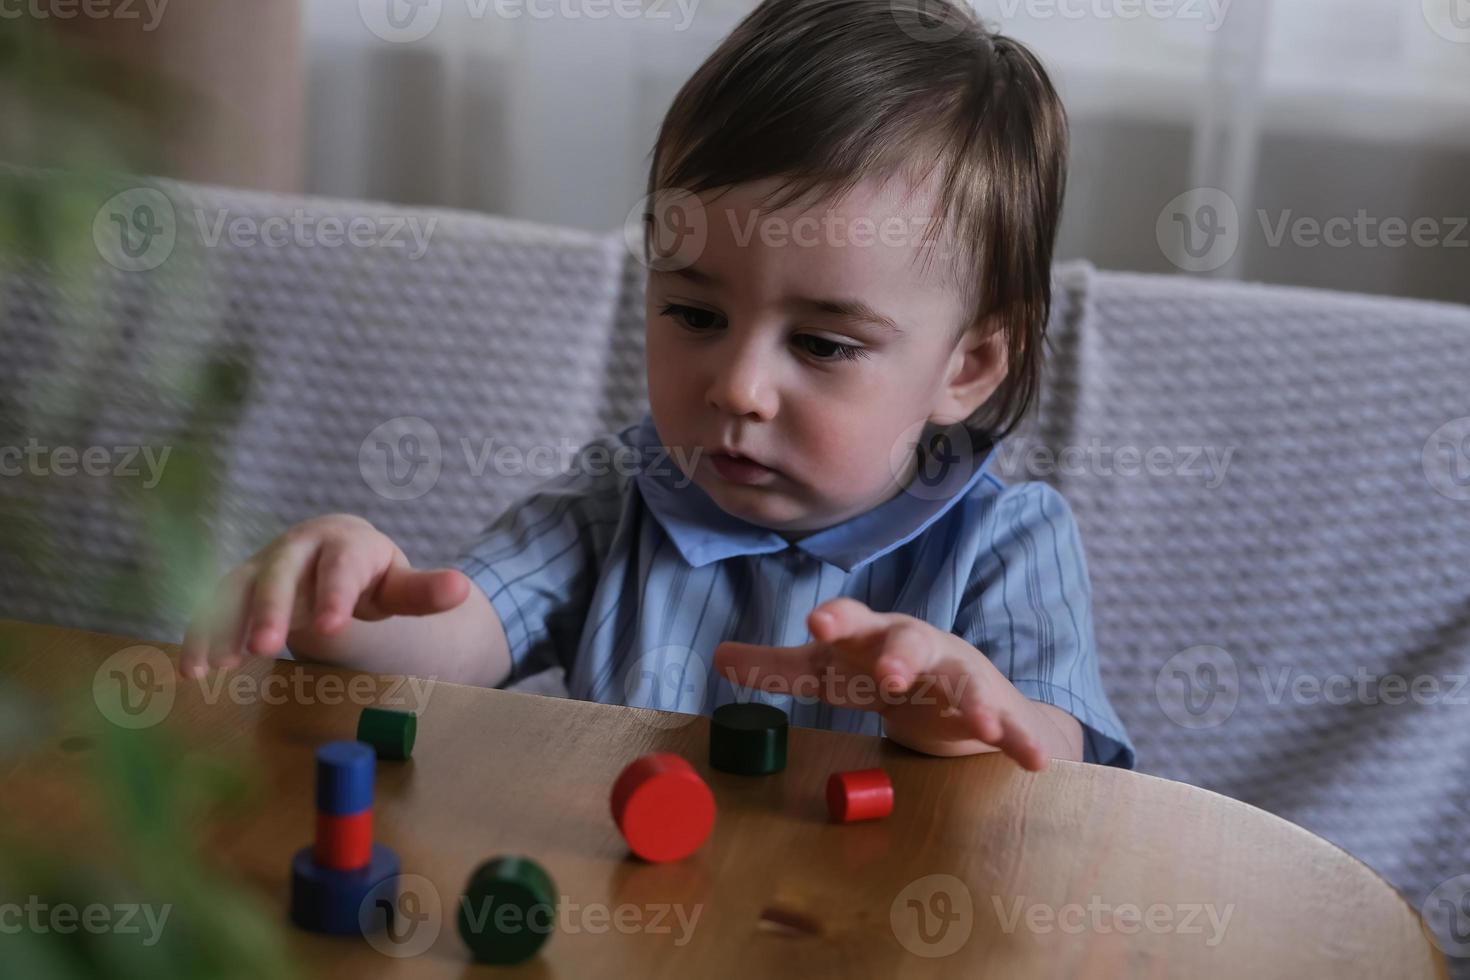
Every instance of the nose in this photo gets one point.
(742, 384)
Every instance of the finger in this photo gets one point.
(234, 651)
(275, 596)
(404, 591)
(227, 616)
(770, 668)
(194, 652)
(907, 649)
(1019, 745)
(1008, 735)
(341, 579)
(844, 617)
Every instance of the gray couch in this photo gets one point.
(1273, 484)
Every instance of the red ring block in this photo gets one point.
(862, 794)
(664, 810)
(345, 842)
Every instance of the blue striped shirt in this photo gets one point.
(626, 574)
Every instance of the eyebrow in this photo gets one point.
(853, 310)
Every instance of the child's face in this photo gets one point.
(748, 358)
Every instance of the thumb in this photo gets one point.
(843, 617)
(406, 591)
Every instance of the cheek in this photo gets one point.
(663, 362)
(850, 455)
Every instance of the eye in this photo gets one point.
(692, 317)
(823, 349)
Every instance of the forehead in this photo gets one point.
(880, 242)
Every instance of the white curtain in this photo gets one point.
(1183, 111)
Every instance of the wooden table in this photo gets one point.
(983, 870)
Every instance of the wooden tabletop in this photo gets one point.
(982, 870)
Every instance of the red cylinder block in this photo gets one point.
(862, 794)
(663, 808)
(344, 843)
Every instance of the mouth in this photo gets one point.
(740, 469)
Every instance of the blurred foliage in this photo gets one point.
(71, 120)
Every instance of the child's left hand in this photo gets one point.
(937, 694)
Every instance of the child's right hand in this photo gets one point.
(308, 584)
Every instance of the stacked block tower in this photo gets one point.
(344, 883)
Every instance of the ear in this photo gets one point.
(976, 367)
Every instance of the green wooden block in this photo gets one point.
(389, 732)
(748, 738)
(508, 910)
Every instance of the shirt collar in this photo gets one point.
(704, 533)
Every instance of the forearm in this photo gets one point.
(1058, 733)
(463, 645)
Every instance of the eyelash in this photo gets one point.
(845, 352)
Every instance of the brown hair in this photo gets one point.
(826, 93)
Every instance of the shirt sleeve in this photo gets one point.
(1028, 607)
(539, 560)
